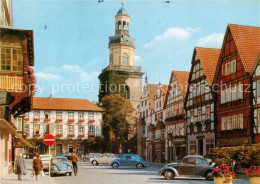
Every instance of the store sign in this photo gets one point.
(3, 111)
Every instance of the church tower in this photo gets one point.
(121, 76)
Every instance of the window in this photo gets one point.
(199, 114)
(233, 66)
(11, 58)
(58, 115)
(201, 162)
(240, 91)
(209, 144)
(125, 59)
(124, 25)
(240, 120)
(36, 129)
(19, 123)
(192, 116)
(258, 88)
(26, 127)
(119, 25)
(223, 123)
(163, 134)
(189, 160)
(91, 115)
(81, 130)
(81, 115)
(234, 122)
(70, 149)
(143, 130)
(227, 69)
(46, 115)
(229, 122)
(71, 115)
(208, 112)
(71, 129)
(223, 96)
(59, 129)
(234, 92)
(91, 130)
(127, 92)
(36, 114)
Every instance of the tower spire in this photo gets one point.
(146, 79)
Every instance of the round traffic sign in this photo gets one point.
(49, 140)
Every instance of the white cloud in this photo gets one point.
(47, 76)
(72, 68)
(171, 33)
(137, 58)
(89, 77)
(212, 40)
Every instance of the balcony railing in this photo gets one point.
(124, 68)
(11, 83)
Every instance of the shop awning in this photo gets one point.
(8, 128)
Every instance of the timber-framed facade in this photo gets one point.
(199, 103)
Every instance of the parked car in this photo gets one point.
(131, 160)
(60, 165)
(105, 158)
(87, 157)
(45, 161)
(189, 167)
(67, 155)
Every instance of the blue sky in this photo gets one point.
(71, 37)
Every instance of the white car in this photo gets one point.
(105, 158)
(45, 161)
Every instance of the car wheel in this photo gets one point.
(139, 165)
(169, 174)
(52, 174)
(70, 173)
(208, 175)
(115, 165)
(94, 162)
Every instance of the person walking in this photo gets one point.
(20, 166)
(74, 160)
(37, 166)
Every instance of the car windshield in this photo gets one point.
(60, 160)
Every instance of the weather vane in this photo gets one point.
(123, 3)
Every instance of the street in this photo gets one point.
(105, 174)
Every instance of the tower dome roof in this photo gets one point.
(122, 11)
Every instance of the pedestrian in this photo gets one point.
(74, 160)
(20, 166)
(37, 166)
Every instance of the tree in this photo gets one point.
(118, 113)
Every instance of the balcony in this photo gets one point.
(81, 135)
(26, 119)
(58, 135)
(46, 120)
(71, 135)
(36, 135)
(91, 120)
(36, 119)
(124, 68)
(11, 83)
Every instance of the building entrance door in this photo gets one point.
(58, 149)
(200, 147)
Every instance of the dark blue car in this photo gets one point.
(129, 160)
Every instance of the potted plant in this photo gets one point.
(71, 120)
(254, 174)
(81, 121)
(223, 175)
(58, 120)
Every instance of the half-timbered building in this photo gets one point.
(256, 99)
(199, 102)
(156, 129)
(233, 85)
(145, 108)
(175, 116)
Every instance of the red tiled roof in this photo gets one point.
(208, 58)
(50, 103)
(247, 40)
(182, 78)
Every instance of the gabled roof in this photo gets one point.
(182, 78)
(255, 64)
(50, 103)
(208, 59)
(247, 40)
